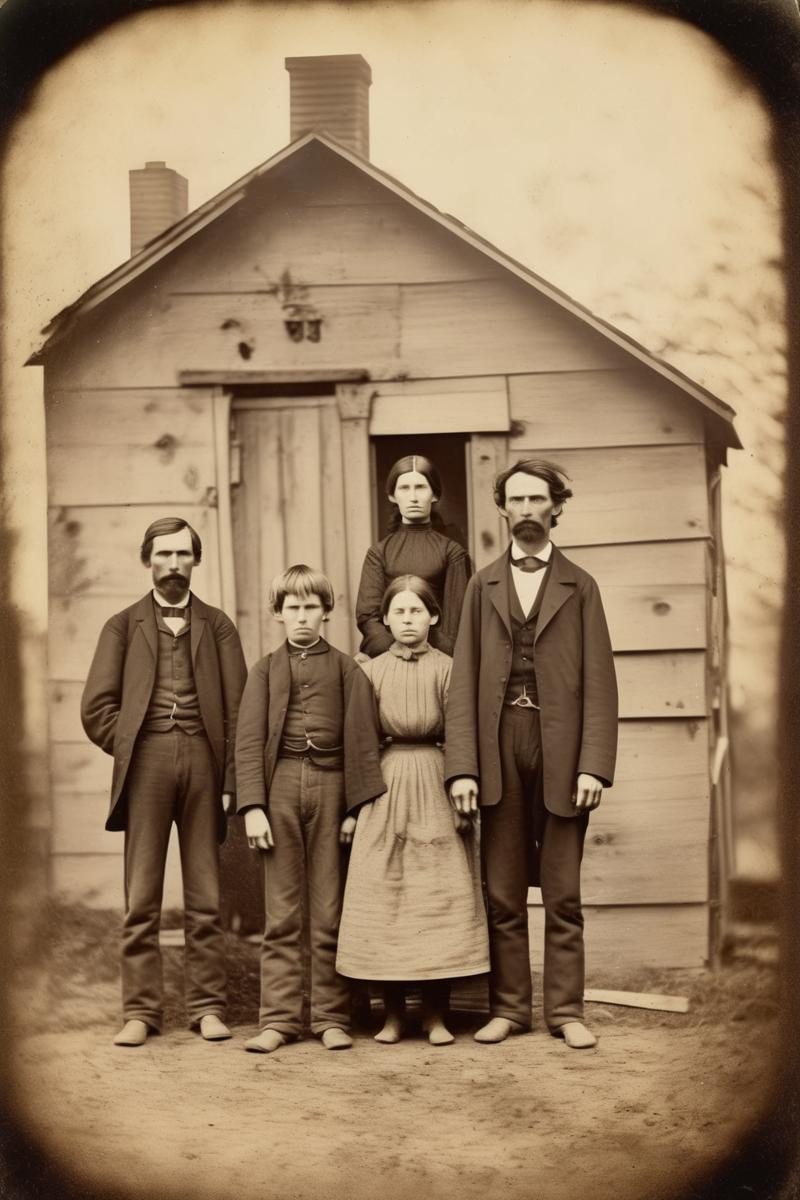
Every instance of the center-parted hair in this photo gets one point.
(411, 583)
(554, 476)
(424, 466)
(163, 526)
(303, 581)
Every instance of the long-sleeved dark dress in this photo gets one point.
(412, 550)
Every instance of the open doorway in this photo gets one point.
(449, 452)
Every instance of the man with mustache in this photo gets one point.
(162, 697)
(531, 734)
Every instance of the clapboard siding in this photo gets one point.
(128, 417)
(98, 879)
(654, 594)
(64, 712)
(95, 550)
(599, 408)
(281, 247)
(474, 327)
(79, 824)
(632, 494)
(635, 936)
(487, 326)
(74, 627)
(647, 842)
(80, 768)
(665, 684)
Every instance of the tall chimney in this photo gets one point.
(159, 198)
(330, 93)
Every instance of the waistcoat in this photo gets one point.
(523, 637)
(315, 710)
(174, 700)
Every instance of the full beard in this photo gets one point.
(173, 588)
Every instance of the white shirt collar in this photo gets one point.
(166, 604)
(517, 552)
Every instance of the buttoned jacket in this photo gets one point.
(575, 677)
(262, 717)
(121, 681)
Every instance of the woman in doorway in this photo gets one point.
(413, 547)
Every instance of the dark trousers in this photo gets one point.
(306, 808)
(172, 778)
(515, 834)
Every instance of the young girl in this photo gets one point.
(413, 908)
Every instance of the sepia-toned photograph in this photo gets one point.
(394, 440)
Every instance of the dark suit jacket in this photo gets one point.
(574, 675)
(261, 721)
(122, 677)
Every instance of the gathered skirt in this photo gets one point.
(413, 904)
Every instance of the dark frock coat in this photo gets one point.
(412, 550)
(262, 717)
(121, 681)
(575, 680)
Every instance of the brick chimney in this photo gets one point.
(330, 93)
(159, 198)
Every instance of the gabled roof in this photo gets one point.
(153, 252)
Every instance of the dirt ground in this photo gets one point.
(662, 1097)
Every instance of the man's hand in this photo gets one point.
(463, 823)
(464, 795)
(227, 803)
(348, 828)
(259, 834)
(588, 792)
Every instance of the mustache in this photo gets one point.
(176, 575)
(529, 523)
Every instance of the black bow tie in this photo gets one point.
(529, 562)
(174, 612)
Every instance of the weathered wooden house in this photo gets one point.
(257, 364)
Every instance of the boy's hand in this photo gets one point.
(227, 803)
(347, 830)
(259, 834)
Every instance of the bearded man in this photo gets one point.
(162, 697)
(531, 735)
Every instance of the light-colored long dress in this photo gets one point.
(413, 907)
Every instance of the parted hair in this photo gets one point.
(163, 526)
(300, 580)
(553, 475)
(423, 465)
(411, 583)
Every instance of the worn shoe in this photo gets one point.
(265, 1042)
(576, 1035)
(497, 1030)
(212, 1029)
(335, 1038)
(133, 1033)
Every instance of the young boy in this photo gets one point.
(303, 744)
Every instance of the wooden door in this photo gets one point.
(287, 507)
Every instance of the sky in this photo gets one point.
(621, 155)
